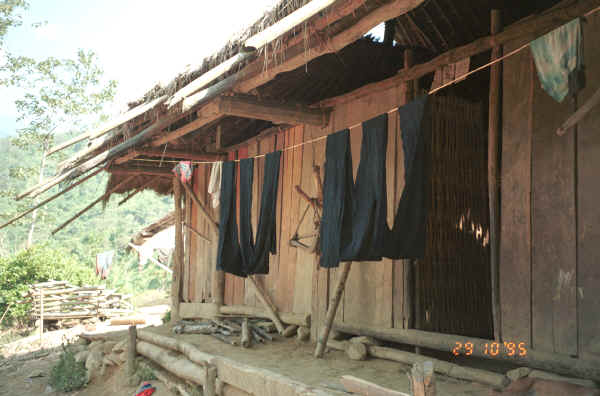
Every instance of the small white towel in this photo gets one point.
(214, 184)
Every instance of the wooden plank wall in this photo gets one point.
(550, 243)
(198, 274)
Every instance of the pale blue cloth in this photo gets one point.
(558, 57)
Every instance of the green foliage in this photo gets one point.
(38, 264)
(145, 373)
(167, 317)
(9, 16)
(68, 374)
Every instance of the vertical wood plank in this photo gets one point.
(178, 254)
(495, 111)
(283, 293)
(187, 234)
(515, 241)
(358, 295)
(588, 210)
(553, 229)
(305, 268)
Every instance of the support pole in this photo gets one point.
(178, 253)
(422, 379)
(331, 311)
(131, 355)
(268, 306)
(41, 317)
(202, 208)
(495, 112)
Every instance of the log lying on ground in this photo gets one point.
(188, 350)
(178, 365)
(548, 361)
(171, 381)
(441, 367)
(289, 318)
(362, 387)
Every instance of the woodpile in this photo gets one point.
(233, 331)
(58, 300)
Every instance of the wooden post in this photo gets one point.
(422, 380)
(494, 127)
(131, 354)
(210, 384)
(245, 338)
(409, 276)
(41, 317)
(178, 253)
(331, 311)
(268, 305)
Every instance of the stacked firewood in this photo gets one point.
(233, 331)
(57, 300)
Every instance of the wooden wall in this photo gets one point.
(550, 242)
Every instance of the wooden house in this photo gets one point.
(513, 235)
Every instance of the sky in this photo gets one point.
(138, 42)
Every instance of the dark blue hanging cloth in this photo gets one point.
(336, 220)
(247, 256)
(407, 238)
(369, 195)
(229, 257)
(353, 225)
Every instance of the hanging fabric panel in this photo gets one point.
(407, 239)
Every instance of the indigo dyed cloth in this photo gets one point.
(229, 257)
(558, 57)
(336, 220)
(407, 238)
(248, 256)
(369, 195)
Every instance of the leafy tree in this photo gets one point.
(38, 264)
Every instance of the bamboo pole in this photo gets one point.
(82, 211)
(137, 190)
(195, 231)
(178, 253)
(331, 311)
(494, 128)
(268, 306)
(579, 114)
(202, 208)
(41, 319)
(44, 202)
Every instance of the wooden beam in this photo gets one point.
(178, 253)
(68, 143)
(289, 22)
(255, 74)
(58, 194)
(527, 29)
(302, 320)
(206, 115)
(494, 128)
(129, 115)
(179, 154)
(562, 364)
(250, 107)
(140, 170)
(202, 208)
(127, 157)
(82, 211)
(198, 234)
(99, 159)
(578, 115)
(269, 306)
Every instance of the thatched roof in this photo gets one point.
(430, 29)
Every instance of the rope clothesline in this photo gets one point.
(432, 91)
